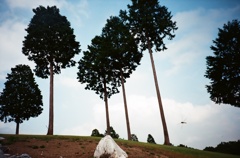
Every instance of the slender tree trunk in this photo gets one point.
(125, 106)
(17, 127)
(106, 106)
(165, 130)
(50, 124)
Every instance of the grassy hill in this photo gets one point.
(39, 146)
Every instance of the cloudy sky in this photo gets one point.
(180, 72)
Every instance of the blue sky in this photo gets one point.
(180, 72)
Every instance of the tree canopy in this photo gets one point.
(150, 23)
(50, 40)
(122, 49)
(95, 69)
(21, 98)
(223, 68)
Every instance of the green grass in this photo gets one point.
(172, 149)
(150, 148)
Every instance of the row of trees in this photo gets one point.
(113, 134)
(115, 54)
(111, 57)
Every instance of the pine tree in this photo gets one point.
(95, 70)
(51, 44)
(21, 98)
(151, 23)
(123, 53)
(223, 68)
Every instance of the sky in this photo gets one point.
(180, 71)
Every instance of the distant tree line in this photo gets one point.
(231, 147)
(113, 134)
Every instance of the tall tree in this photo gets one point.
(51, 44)
(123, 53)
(151, 23)
(21, 98)
(95, 70)
(223, 68)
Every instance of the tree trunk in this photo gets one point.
(50, 124)
(165, 130)
(106, 106)
(17, 127)
(125, 106)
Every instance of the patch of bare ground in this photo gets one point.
(80, 148)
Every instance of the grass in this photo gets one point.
(195, 153)
(147, 147)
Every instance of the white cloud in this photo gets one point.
(202, 121)
(12, 35)
(83, 130)
(75, 10)
(196, 30)
(13, 30)
(68, 82)
(26, 4)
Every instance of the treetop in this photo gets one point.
(50, 40)
(150, 23)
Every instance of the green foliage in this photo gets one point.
(150, 23)
(21, 98)
(50, 39)
(150, 139)
(231, 147)
(122, 49)
(95, 69)
(134, 137)
(113, 134)
(95, 133)
(223, 69)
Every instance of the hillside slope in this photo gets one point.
(41, 146)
